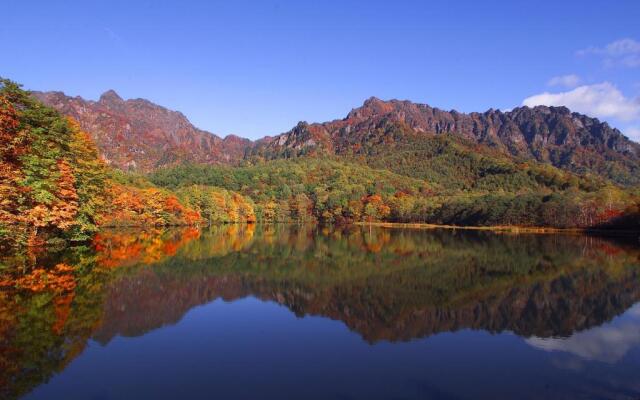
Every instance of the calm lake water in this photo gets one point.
(279, 312)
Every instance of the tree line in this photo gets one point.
(55, 186)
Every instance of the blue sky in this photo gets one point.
(256, 68)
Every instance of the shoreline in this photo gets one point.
(501, 228)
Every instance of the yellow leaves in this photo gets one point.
(269, 211)
(243, 208)
(216, 205)
(38, 216)
(131, 206)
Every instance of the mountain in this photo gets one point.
(386, 161)
(138, 134)
(407, 138)
(550, 135)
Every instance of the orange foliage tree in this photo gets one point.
(374, 208)
(12, 146)
(51, 178)
(131, 206)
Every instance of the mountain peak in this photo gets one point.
(110, 96)
(540, 134)
(372, 100)
(152, 136)
(138, 134)
(371, 106)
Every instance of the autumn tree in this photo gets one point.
(374, 208)
(51, 178)
(12, 145)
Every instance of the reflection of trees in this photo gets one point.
(415, 284)
(116, 249)
(384, 284)
(48, 309)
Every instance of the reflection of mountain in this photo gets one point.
(384, 284)
(412, 285)
(147, 301)
(542, 308)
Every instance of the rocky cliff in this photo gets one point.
(552, 135)
(138, 134)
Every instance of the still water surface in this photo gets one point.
(274, 312)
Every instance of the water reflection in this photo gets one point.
(605, 343)
(385, 285)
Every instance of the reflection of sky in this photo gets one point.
(607, 343)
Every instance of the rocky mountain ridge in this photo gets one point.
(551, 135)
(138, 134)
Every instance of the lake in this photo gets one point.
(276, 312)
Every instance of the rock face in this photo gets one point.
(552, 135)
(137, 134)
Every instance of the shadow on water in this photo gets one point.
(386, 285)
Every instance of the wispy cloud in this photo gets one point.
(568, 81)
(602, 100)
(624, 52)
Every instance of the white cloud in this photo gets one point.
(569, 81)
(602, 100)
(625, 52)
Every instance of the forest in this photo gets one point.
(331, 191)
(55, 186)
